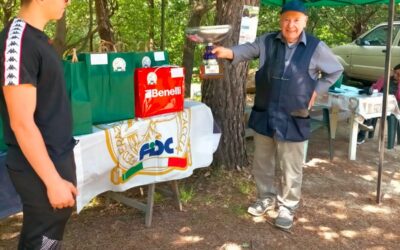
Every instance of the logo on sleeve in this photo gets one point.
(13, 52)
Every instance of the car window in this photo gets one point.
(378, 36)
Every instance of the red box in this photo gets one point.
(159, 90)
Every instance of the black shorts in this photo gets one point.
(43, 227)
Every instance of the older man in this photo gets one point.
(294, 67)
(37, 124)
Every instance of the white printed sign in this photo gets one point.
(98, 59)
(248, 26)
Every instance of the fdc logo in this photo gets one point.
(156, 148)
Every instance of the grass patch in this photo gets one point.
(245, 187)
(186, 194)
(96, 202)
(158, 197)
(238, 210)
(218, 173)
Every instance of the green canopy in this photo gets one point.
(328, 3)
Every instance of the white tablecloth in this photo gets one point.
(361, 107)
(347, 98)
(132, 153)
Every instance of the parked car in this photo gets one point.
(364, 58)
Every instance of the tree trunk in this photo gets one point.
(59, 40)
(226, 97)
(91, 24)
(199, 8)
(82, 43)
(104, 24)
(151, 25)
(163, 9)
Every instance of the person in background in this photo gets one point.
(394, 89)
(37, 124)
(294, 68)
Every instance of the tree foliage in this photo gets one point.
(132, 21)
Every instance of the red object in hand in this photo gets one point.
(159, 90)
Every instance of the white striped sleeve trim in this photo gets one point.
(50, 244)
(12, 52)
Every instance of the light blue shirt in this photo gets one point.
(324, 65)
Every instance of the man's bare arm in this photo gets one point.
(21, 104)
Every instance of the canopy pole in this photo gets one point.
(385, 96)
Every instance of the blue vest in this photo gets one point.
(281, 95)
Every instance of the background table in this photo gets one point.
(361, 107)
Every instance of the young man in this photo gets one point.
(287, 83)
(37, 124)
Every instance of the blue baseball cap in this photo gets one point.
(294, 5)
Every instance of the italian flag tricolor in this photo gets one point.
(175, 162)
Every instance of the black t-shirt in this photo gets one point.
(27, 57)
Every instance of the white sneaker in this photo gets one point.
(285, 218)
(261, 206)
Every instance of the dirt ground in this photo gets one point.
(338, 209)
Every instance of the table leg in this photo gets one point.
(147, 207)
(333, 120)
(353, 138)
(175, 190)
(150, 204)
(174, 193)
(126, 200)
(327, 121)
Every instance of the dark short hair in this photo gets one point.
(24, 2)
(396, 67)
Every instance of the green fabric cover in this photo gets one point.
(75, 78)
